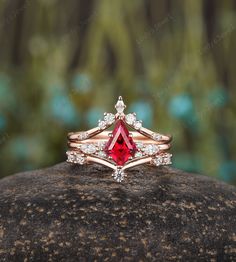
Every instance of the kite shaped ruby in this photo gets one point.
(120, 146)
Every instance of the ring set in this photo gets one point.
(119, 149)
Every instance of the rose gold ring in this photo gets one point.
(119, 149)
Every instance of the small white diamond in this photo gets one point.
(139, 145)
(137, 125)
(80, 159)
(138, 154)
(83, 135)
(102, 154)
(151, 149)
(101, 145)
(71, 157)
(130, 119)
(102, 124)
(109, 118)
(157, 136)
(88, 148)
(157, 161)
(164, 159)
(120, 106)
(167, 159)
(119, 175)
(74, 157)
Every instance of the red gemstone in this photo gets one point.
(121, 145)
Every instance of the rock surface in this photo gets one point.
(79, 213)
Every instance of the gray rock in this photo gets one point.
(79, 213)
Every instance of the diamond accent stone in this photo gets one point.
(71, 157)
(120, 106)
(119, 175)
(151, 149)
(137, 124)
(102, 124)
(130, 119)
(138, 154)
(101, 154)
(120, 147)
(156, 136)
(88, 148)
(139, 145)
(164, 159)
(101, 145)
(83, 135)
(157, 161)
(109, 118)
(80, 159)
(76, 158)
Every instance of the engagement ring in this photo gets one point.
(119, 149)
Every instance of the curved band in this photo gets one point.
(96, 133)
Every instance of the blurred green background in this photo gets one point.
(63, 63)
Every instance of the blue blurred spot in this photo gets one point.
(19, 147)
(93, 115)
(3, 122)
(227, 171)
(144, 112)
(82, 83)
(181, 107)
(63, 110)
(218, 97)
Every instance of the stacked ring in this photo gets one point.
(119, 149)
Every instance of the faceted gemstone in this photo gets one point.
(137, 125)
(130, 119)
(121, 145)
(151, 149)
(109, 118)
(88, 148)
(120, 106)
(158, 160)
(83, 135)
(156, 136)
(102, 124)
(74, 157)
(119, 175)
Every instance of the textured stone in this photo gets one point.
(79, 213)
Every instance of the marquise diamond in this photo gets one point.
(120, 106)
(88, 148)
